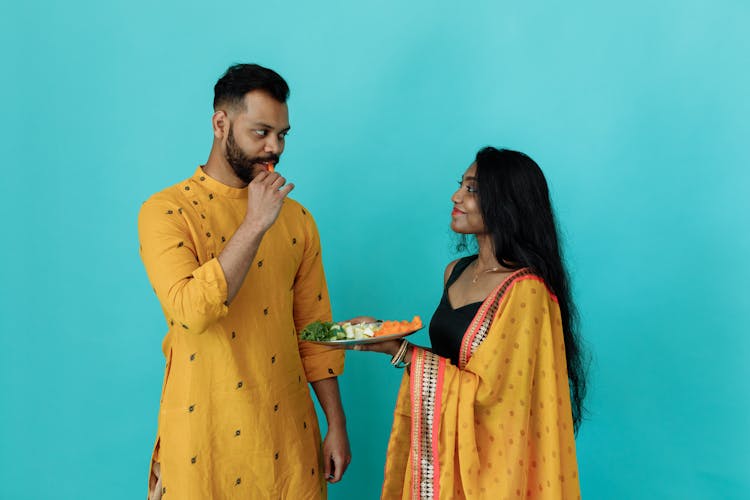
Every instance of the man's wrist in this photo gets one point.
(253, 228)
(336, 423)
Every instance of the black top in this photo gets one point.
(448, 325)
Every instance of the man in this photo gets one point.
(237, 267)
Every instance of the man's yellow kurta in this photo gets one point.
(236, 417)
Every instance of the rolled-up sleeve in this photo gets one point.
(192, 295)
(312, 303)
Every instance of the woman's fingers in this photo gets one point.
(362, 319)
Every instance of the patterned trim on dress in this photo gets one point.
(427, 372)
(480, 325)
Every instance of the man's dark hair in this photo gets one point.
(240, 79)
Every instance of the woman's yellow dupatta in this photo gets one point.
(499, 425)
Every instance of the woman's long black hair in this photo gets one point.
(517, 214)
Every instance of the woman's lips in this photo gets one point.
(457, 212)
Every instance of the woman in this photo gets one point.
(491, 409)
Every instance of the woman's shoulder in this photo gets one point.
(526, 281)
(449, 269)
(463, 262)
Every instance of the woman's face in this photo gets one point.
(466, 217)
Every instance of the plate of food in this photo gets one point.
(350, 334)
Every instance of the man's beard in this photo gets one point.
(242, 164)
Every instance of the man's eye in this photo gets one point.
(261, 132)
(283, 135)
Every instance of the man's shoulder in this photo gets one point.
(296, 215)
(296, 210)
(168, 196)
(168, 201)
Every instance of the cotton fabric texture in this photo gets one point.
(498, 425)
(236, 418)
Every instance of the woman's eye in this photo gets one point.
(469, 187)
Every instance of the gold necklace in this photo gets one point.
(486, 271)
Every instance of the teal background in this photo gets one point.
(637, 112)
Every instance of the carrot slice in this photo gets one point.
(396, 327)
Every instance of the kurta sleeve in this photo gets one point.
(501, 426)
(192, 295)
(312, 303)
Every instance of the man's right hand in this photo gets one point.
(265, 197)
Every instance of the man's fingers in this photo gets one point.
(343, 465)
(327, 468)
(286, 189)
(265, 177)
(276, 184)
(273, 178)
(261, 177)
(338, 468)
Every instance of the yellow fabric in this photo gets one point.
(505, 423)
(236, 417)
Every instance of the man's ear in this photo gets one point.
(220, 124)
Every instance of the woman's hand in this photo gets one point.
(360, 319)
(387, 347)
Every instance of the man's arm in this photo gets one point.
(195, 295)
(336, 451)
(192, 294)
(265, 197)
(321, 364)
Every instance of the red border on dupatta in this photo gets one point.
(427, 373)
(426, 387)
(480, 325)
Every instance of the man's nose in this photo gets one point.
(273, 145)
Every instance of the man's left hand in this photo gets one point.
(336, 453)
